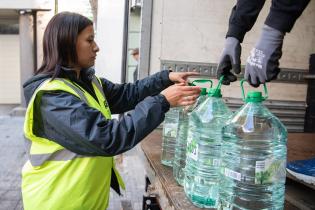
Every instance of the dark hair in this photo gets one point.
(59, 42)
(135, 51)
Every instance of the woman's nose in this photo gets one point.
(96, 48)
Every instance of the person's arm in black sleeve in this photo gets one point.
(243, 16)
(284, 13)
(263, 62)
(71, 123)
(124, 97)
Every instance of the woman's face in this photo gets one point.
(86, 48)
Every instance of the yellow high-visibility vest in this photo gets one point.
(56, 178)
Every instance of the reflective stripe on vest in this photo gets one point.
(39, 159)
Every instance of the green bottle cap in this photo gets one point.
(254, 96)
(203, 91)
(215, 92)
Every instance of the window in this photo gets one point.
(9, 26)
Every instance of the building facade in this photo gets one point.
(22, 23)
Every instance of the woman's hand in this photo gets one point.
(181, 77)
(181, 95)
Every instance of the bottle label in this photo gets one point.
(232, 174)
(170, 130)
(192, 148)
(269, 171)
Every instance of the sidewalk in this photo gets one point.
(13, 157)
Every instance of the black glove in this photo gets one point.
(263, 63)
(230, 59)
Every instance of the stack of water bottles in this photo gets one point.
(253, 157)
(183, 127)
(202, 171)
(171, 131)
(170, 127)
(233, 161)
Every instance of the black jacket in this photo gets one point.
(282, 15)
(68, 121)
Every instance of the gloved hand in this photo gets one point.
(263, 63)
(230, 59)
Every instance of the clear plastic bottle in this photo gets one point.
(253, 158)
(202, 171)
(170, 127)
(181, 140)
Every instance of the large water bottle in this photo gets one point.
(202, 171)
(253, 157)
(183, 127)
(169, 135)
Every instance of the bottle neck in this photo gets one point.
(255, 107)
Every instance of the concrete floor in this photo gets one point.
(13, 157)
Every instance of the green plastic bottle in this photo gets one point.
(253, 157)
(169, 135)
(202, 171)
(183, 127)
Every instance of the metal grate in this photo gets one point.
(291, 113)
(209, 69)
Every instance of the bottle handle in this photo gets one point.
(243, 92)
(219, 83)
(202, 81)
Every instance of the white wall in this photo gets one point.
(109, 37)
(194, 31)
(10, 69)
(190, 31)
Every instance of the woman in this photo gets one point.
(70, 135)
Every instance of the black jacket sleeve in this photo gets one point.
(71, 123)
(243, 16)
(124, 97)
(284, 13)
